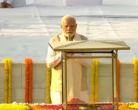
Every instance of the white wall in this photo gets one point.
(19, 3)
(121, 2)
(67, 2)
(29, 2)
(49, 2)
(83, 2)
(18, 82)
(39, 82)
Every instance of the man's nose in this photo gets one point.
(69, 28)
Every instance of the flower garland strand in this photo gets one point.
(133, 106)
(28, 80)
(128, 106)
(118, 80)
(14, 107)
(94, 81)
(7, 70)
(106, 107)
(48, 83)
(9, 83)
(38, 107)
(135, 61)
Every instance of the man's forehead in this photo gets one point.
(69, 21)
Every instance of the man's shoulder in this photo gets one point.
(55, 38)
(83, 37)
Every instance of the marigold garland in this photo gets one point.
(48, 83)
(10, 80)
(14, 107)
(135, 61)
(7, 69)
(54, 107)
(28, 80)
(122, 107)
(94, 81)
(127, 107)
(133, 106)
(59, 107)
(107, 106)
(38, 107)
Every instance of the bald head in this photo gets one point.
(66, 18)
(68, 26)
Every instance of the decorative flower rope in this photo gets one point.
(94, 81)
(118, 80)
(122, 107)
(10, 81)
(28, 80)
(133, 106)
(59, 107)
(14, 107)
(135, 61)
(38, 107)
(106, 107)
(53, 107)
(7, 69)
(128, 106)
(48, 83)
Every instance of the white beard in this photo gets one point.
(69, 34)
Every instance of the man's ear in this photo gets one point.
(76, 26)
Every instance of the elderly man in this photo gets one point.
(6, 4)
(68, 26)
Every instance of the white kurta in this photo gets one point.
(74, 75)
(74, 72)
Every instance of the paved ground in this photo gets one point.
(25, 31)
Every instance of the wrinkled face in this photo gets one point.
(69, 27)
